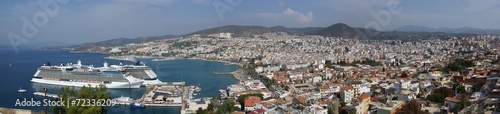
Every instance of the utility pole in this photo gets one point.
(44, 97)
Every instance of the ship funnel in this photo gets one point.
(79, 63)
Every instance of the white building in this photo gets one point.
(346, 94)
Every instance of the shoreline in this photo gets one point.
(235, 74)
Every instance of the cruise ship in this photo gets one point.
(78, 75)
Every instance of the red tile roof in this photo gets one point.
(452, 99)
(347, 88)
(252, 100)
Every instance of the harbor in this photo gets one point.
(162, 68)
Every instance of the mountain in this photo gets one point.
(96, 46)
(245, 31)
(414, 28)
(340, 30)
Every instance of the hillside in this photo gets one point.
(245, 31)
(339, 30)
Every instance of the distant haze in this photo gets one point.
(81, 21)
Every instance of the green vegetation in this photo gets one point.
(460, 89)
(404, 75)
(356, 62)
(458, 65)
(461, 105)
(495, 61)
(477, 86)
(411, 107)
(70, 94)
(226, 107)
(348, 111)
(438, 95)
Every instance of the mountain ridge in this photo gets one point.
(416, 28)
(334, 30)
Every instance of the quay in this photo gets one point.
(48, 94)
(213, 72)
(166, 94)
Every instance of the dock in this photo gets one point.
(166, 94)
(48, 94)
(213, 72)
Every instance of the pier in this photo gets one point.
(166, 94)
(48, 94)
(213, 72)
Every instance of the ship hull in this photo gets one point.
(112, 85)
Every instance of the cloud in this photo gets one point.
(299, 16)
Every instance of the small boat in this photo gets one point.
(124, 99)
(10, 65)
(137, 105)
(21, 90)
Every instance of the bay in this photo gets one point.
(17, 69)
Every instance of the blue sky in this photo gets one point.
(80, 21)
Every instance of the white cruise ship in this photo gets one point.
(79, 75)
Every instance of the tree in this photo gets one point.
(348, 111)
(458, 64)
(461, 89)
(199, 111)
(411, 107)
(86, 92)
(461, 105)
(438, 95)
(477, 86)
(330, 110)
(352, 111)
(404, 75)
(241, 98)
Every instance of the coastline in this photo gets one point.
(237, 74)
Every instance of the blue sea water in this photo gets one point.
(25, 62)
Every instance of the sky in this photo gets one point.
(66, 22)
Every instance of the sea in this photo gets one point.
(18, 68)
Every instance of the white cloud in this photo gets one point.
(299, 16)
